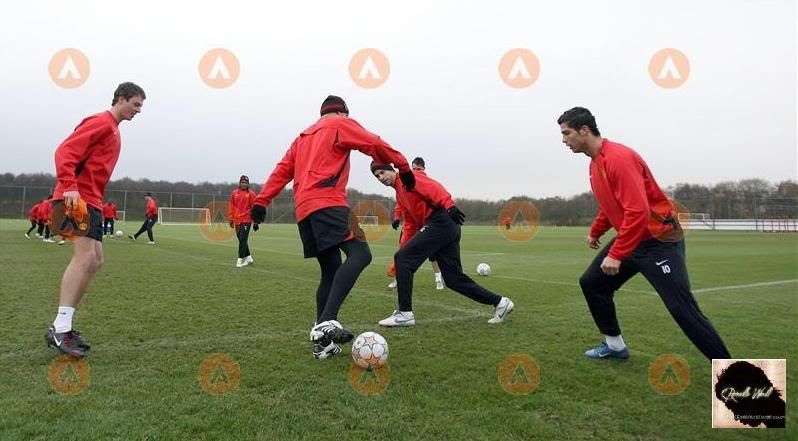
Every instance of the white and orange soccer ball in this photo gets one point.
(370, 350)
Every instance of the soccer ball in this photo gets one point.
(370, 350)
(119, 233)
(483, 269)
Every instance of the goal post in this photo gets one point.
(183, 216)
(368, 221)
(120, 214)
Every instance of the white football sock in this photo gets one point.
(438, 277)
(615, 343)
(63, 320)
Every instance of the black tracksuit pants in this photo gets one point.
(242, 233)
(108, 226)
(663, 265)
(147, 226)
(439, 239)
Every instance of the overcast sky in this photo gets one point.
(734, 117)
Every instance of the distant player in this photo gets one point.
(649, 240)
(318, 163)
(507, 222)
(45, 215)
(150, 218)
(33, 217)
(408, 230)
(84, 163)
(430, 207)
(109, 216)
(238, 214)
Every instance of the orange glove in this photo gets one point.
(71, 221)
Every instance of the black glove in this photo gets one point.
(256, 226)
(395, 224)
(457, 216)
(258, 213)
(408, 179)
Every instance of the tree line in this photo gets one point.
(746, 198)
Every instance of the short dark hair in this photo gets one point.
(147, 194)
(419, 161)
(577, 117)
(128, 90)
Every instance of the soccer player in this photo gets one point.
(507, 222)
(84, 163)
(649, 240)
(45, 215)
(33, 217)
(109, 216)
(318, 163)
(238, 214)
(150, 218)
(40, 220)
(409, 229)
(431, 207)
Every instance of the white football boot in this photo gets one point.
(503, 309)
(399, 318)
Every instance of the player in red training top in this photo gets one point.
(150, 218)
(318, 163)
(408, 230)
(33, 217)
(84, 163)
(109, 217)
(238, 214)
(649, 240)
(429, 208)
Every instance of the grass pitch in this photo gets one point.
(154, 313)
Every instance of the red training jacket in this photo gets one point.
(45, 211)
(109, 211)
(86, 159)
(33, 214)
(627, 195)
(318, 163)
(418, 205)
(238, 209)
(152, 208)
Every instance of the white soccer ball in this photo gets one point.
(119, 233)
(483, 269)
(370, 350)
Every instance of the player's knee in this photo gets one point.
(588, 282)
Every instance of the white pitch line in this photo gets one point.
(749, 285)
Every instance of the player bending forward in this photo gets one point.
(318, 163)
(430, 206)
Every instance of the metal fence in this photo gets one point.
(16, 201)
